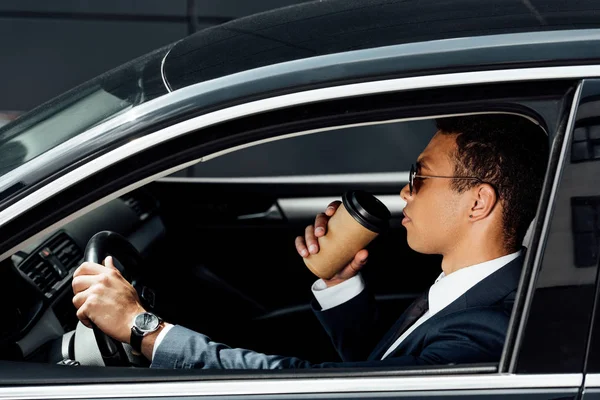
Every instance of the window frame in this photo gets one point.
(381, 380)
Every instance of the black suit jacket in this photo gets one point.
(471, 329)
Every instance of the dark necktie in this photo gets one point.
(413, 313)
(406, 320)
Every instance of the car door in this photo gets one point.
(228, 222)
(582, 224)
(512, 378)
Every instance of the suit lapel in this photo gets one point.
(397, 329)
(490, 290)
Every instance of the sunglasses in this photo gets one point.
(413, 175)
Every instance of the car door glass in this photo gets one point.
(364, 149)
(560, 316)
(586, 209)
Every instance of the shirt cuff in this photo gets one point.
(160, 337)
(338, 294)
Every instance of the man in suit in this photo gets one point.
(471, 198)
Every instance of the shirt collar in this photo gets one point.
(446, 289)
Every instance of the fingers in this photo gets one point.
(98, 274)
(89, 268)
(309, 244)
(350, 270)
(332, 208)
(322, 218)
(79, 301)
(108, 263)
(321, 224)
(301, 246)
(80, 298)
(82, 316)
(83, 282)
(359, 261)
(311, 240)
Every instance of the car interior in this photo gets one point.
(244, 262)
(221, 232)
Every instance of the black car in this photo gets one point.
(212, 154)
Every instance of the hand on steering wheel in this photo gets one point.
(105, 300)
(102, 295)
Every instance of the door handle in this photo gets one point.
(272, 214)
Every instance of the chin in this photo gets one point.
(419, 246)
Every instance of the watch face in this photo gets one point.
(146, 322)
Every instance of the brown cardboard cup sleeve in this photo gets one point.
(360, 218)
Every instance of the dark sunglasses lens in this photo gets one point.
(416, 184)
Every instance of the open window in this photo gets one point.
(215, 213)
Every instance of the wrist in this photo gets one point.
(335, 281)
(329, 297)
(144, 329)
(149, 341)
(129, 325)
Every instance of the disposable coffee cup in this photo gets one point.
(358, 220)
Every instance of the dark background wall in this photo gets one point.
(51, 46)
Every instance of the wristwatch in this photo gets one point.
(143, 324)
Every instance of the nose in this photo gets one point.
(405, 193)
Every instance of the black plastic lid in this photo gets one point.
(368, 210)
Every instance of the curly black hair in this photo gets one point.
(508, 151)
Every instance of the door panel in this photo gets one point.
(453, 384)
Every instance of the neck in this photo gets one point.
(472, 253)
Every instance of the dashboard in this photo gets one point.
(35, 283)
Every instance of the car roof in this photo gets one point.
(325, 27)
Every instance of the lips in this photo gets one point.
(406, 218)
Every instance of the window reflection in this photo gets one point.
(586, 144)
(560, 314)
(586, 230)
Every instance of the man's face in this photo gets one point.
(435, 214)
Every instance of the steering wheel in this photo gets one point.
(100, 246)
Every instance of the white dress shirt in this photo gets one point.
(444, 291)
(160, 337)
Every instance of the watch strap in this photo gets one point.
(135, 340)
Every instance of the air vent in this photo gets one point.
(51, 262)
(143, 205)
(41, 272)
(65, 249)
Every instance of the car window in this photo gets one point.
(557, 330)
(25, 143)
(212, 248)
(69, 115)
(388, 147)
(585, 223)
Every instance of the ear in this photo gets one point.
(483, 202)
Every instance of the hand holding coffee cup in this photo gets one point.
(309, 245)
(334, 249)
